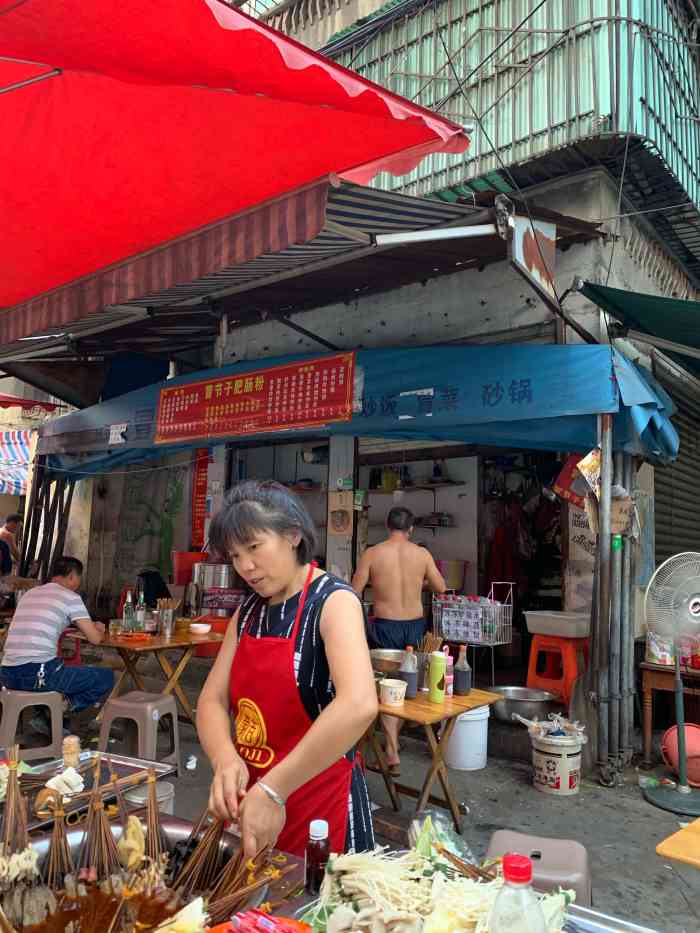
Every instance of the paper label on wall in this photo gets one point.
(582, 540)
(340, 513)
(117, 433)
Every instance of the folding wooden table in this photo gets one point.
(420, 710)
(131, 651)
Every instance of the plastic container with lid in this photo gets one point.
(517, 907)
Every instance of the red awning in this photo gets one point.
(26, 404)
(128, 126)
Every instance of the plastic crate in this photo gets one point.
(460, 619)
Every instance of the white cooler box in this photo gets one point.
(564, 624)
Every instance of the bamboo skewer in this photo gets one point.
(466, 868)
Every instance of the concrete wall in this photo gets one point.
(138, 517)
(459, 543)
(495, 303)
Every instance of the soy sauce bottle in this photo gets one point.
(318, 850)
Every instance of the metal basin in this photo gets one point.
(174, 830)
(386, 660)
(525, 702)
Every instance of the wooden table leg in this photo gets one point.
(647, 718)
(384, 768)
(439, 769)
(131, 660)
(129, 670)
(173, 676)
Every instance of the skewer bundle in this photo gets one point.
(431, 642)
(154, 839)
(99, 856)
(60, 860)
(168, 604)
(202, 867)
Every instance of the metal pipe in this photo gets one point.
(603, 632)
(627, 635)
(614, 746)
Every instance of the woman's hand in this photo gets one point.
(261, 820)
(228, 786)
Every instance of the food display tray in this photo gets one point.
(121, 765)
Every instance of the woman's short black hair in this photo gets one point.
(254, 506)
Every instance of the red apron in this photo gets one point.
(271, 720)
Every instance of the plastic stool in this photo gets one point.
(555, 862)
(14, 702)
(145, 710)
(565, 660)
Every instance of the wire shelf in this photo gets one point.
(459, 618)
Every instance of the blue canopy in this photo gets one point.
(541, 397)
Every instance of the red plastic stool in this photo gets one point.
(64, 647)
(565, 660)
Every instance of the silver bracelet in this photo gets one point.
(273, 795)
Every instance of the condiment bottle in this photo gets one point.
(438, 668)
(463, 673)
(408, 672)
(516, 908)
(128, 616)
(449, 673)
(318, 850)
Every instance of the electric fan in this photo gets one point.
(672, 610)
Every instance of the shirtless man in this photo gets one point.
(396, 570)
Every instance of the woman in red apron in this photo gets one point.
(295, 675)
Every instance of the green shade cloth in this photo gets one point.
(668, 318)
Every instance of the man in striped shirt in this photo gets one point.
(30, 659)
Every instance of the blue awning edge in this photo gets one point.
(643, 427)
(512, 396)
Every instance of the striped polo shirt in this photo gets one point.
(39, 621)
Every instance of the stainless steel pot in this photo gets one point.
(213, 576)
(525, 702)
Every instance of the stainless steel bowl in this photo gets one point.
(386, 660)
(525, 702)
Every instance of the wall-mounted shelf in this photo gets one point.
(422, 487)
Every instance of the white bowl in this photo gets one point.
(200, 628)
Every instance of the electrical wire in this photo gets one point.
(503, 165)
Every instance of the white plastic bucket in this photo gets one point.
(557, 764)
(165, 795)
(466, 750)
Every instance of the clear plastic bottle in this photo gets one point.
(516, 908)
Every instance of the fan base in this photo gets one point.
(667, 798)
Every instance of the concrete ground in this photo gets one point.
(619, 829)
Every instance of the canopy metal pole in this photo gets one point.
(603, 640)
(615, 746)
(627, 636)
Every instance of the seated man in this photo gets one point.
(8, 534)
(30, 660)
